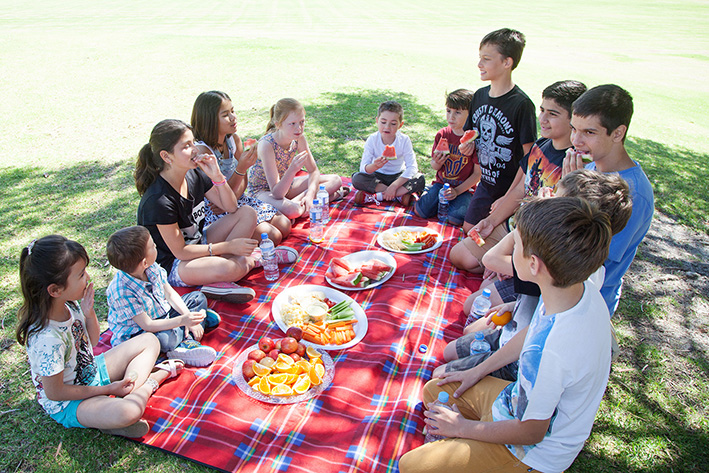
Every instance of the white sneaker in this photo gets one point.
(193, 353)
(229, 292)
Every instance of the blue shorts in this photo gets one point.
(67, 416)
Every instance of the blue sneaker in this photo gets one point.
(212, 319)
(193, 353)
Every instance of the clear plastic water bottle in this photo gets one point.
(442, 401)
(480, 306)
(479, 344)
(443, 204)
(316, 230)
(268, 258)
(324, 199)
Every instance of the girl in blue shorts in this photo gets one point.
(58, 326)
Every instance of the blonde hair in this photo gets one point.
(280, 110)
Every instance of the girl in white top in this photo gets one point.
(107, 392)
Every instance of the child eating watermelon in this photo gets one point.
(452, 167)
(381, 176)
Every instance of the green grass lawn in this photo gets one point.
(82, 84)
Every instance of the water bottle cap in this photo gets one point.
(443, 397)
(446, 185)
(486, 293)
(322, 187)
(264, 236)
(479, 336)
(316, 201)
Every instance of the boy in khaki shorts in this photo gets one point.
(540, 421)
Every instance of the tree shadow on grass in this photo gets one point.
(340, 122)
(679, 179)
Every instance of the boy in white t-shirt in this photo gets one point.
(540, 421)
(383, 177)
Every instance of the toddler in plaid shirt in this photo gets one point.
(141, 300)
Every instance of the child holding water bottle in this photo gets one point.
(459, 171)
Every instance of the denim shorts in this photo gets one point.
(173, 277)
(67, 416)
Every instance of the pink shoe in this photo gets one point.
(228, 292)
(284, 255)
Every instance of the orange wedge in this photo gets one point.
(279, 378)
(281, 390)
(291, 378)
(315, 380)
(283, 358)
(312, 353)
(303, 366)
(319, 370)
(316, 361)
(261, 370)
(264, 387)
(254, 381)
(284, 368)
(301, 386)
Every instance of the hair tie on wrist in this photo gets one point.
(209, 247)
(220, 183)
(239, 173)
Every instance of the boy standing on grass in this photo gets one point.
(541, 420)
(599, 123)
(504, 116)
(387, 178)
(461, 172)
(141, 300)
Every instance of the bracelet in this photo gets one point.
(210, 249)
(220, 183)
(239, 173)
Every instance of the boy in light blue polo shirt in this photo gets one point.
(141, 300)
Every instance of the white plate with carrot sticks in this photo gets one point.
(410, 240)
(330, 319)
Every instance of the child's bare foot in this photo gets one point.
(133, 431)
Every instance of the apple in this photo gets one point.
(295, 332)
(301, 349)
(266, 344)
(268, 362)
(289, 345)
(257, 355)
(278, 344)
(248, 369)
(295, 356)
(274, 353)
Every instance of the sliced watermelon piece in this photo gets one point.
(369, 271)
(469, 136)
(342, 264)
(389, 152)
(473, 233)
(248, 143)
(337, 271)
(379, 265)
(442, 146)
(351, 280)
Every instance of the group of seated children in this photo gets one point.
(206, 197)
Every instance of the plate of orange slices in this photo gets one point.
(284, 380)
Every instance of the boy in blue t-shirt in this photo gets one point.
(541, 420)
(458, 170)
(504, 117)
(599, 123)
(141, 300)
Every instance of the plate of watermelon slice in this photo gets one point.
(361, 270)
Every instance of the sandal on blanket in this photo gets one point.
(341, 193)
(172, 366)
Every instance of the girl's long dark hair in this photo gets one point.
(205, 116)
(164, 137)
(44, 262)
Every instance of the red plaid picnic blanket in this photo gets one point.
(371, 414)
